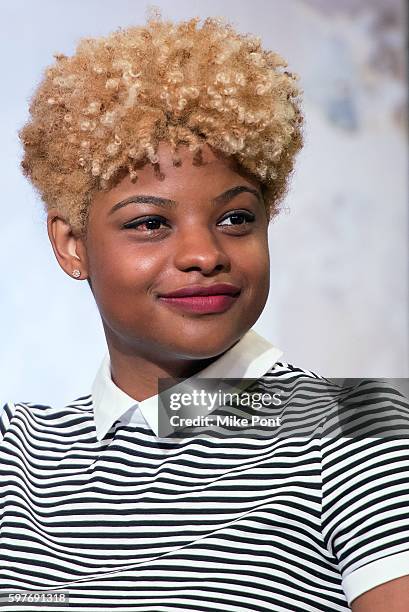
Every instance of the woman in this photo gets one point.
(161, 153)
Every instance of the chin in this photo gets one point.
(207, 346)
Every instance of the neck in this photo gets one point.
(137, 373)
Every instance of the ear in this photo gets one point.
(69, 248)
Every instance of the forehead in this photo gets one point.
(215, 173)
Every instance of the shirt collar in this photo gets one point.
(251, 357)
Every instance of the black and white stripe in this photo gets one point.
(132, 522)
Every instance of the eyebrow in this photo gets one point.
(226, 196)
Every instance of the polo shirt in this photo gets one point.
(249, 358)
(95, 503)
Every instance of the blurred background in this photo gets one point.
(339, 293)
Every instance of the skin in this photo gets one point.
(128, 269)
(392, 596)
(197, 242)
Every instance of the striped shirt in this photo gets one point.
(95, 503)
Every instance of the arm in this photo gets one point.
(392, 596)
(365, 479)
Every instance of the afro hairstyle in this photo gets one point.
(99, 114)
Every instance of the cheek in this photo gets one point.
(121, 274)
(261, 278)
(256, 269)
(254, 262)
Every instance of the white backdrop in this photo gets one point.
(339, 277)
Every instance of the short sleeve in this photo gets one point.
(365, 489)
(6, 414)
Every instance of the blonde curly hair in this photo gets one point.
(100, 114)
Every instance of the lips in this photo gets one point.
(197, 290)
(201, 299)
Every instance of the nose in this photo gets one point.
(200, 249)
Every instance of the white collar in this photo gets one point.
(251, 357)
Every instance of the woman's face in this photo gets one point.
(200, 225)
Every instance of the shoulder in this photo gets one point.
(6, 414)
(24, 414)
(385, 401)
(293, 378)
(283, 367)
(352, 418)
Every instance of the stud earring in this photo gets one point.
(76, 273)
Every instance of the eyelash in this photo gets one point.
(249, 218)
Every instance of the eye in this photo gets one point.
(152, 223)
(239, 217)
